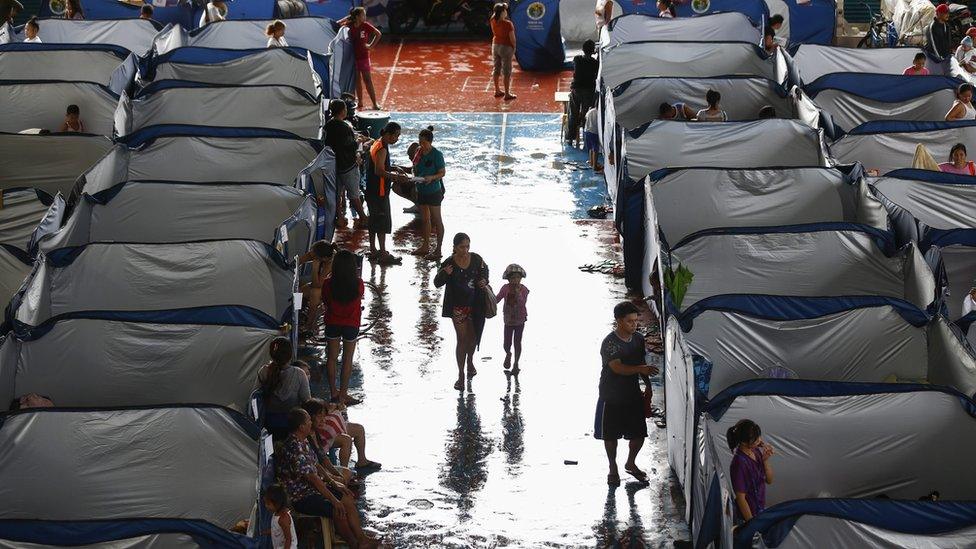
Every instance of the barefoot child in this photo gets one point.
(513, 312)
(282, 525)
(364, 37)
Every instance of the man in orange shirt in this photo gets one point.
(502, 49)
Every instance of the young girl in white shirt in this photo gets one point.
(31, 29)
(276, 35)
(282, 523)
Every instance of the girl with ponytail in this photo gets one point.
(428, 170)
(283, 385)
(750, 469)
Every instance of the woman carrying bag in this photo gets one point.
(465, 301)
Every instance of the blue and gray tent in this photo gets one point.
(135, 35)
(294, 67)
(942, 205)
(42, 105)
(887, 146)
(175, 505)
(715, 27)
(99, 63)
(174, 103)
(919, 436)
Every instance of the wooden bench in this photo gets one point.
(329, 537)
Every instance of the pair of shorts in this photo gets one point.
(315, 505)
(461, 314)
(501, 56)
(349, 180)
(362, 64)
(591, 141)
(616, 420)
(345, 333)
(430, 199)
(380, 219)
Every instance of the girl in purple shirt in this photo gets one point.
(750, 469)
(514, 294)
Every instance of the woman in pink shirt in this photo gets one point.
(958, 162)
(515, 295)
(918, 66)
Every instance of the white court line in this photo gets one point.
(501, 147)
(389, 79)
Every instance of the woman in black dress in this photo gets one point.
(465, 274)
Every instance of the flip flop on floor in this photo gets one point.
(369, 466)
(641, 476)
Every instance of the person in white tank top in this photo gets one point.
(962, 107)
(283, 534)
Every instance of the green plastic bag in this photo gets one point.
(677, 283)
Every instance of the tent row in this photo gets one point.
(802, 299)
(120, 54)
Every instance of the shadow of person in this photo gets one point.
(513, 426)
(430, 310)
(465, 469)
(378, 317)
(608, 534)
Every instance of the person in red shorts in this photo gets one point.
(364, 36)
(343, 296)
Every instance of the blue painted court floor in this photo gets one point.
(507, 462)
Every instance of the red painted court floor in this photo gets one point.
(431, 75)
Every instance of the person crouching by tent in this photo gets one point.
(582, 91)
(750, 470)
(364, 37)
(620, 408)
(379, 181)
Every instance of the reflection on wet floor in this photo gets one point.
(488, 467)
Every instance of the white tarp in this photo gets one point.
(730, 26)
(684, 59)
(271, 107)
(13, 271)
(43, 104)
(159, 212)
(813, 61)
(638, 101)
(157, 277)
(669, 143)
(182, 462)
(696, 199)
(50, 163)
(275, 161)
(135, 35)
(960, 267)
(848, 110)
(312, 33)
(939, 205)
(94, 362)
(22, 211)
(872, 344)
(71, 64)
(272, 66)
(893, 150)
(802, 264)
(576, 20)
(911, 17)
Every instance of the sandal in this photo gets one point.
(516, 370)
(641, 476)
(499, 94)
(459, 385)
(471, 372)
(613, 479)
(369, 466)
(508, 362)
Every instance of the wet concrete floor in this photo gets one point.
(485, 467)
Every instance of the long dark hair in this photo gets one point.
(745, 431)
(76, 8)
(497, 10)
(427, 134)
(280, 351)
(957, 147)
(345, 278)
(275, 493)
